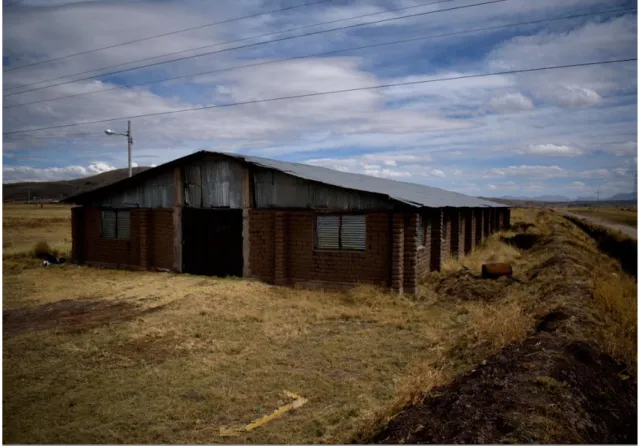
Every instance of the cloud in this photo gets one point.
(100, 167)
(594, 174)
(527, 171)
(574, 96)
(578, 185)
(621, 171)
(622, 149)
(509, 103)
(552, 150)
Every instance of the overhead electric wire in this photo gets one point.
(414, 39)
(323, 93)
(164, 34)
(226, 42)
(258, 44)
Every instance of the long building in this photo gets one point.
(283, 223)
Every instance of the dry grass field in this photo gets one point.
(105, 356)
(622, 216)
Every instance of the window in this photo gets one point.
(421, 230)
(116, 223)
(345, 232)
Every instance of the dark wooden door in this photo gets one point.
(212, 242)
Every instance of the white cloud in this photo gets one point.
(437, 173)
(527, 171)
(100, 167)
(622, 149)
(552, 150)
(621, 171)
(574, 96)
(594, 174)
(510, 102)
(578, 185)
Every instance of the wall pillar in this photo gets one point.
(143, 215)
(479, 225)
(178, 204)
(77, 235)
(280, 229)
(437, 218)
(486, 220)
(455, 233)
(507, 218)
(397, 263)
(469, 231)
(410, 253)
(247, 200)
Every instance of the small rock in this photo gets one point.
(193, 395)
(502, 359)
(484, 362)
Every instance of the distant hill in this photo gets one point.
(622, 197)
(540, 198)
(57, 190)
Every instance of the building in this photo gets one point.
(283, 223)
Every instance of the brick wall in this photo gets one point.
(283, 245)
(150, 242)
(410, 253)
(262, 237)
(446, 235)
(160, 238)
(469, 230)
(436, 217)
(423, 252)
(479, 225)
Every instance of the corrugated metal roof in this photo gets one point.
(414, 194)
(410, 193)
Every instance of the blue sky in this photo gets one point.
(567, 132)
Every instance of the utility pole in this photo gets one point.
(130, 139)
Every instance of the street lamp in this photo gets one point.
(129, 139)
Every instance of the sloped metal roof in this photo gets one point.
(413, 194)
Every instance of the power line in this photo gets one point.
(229, 41)
(323, 93)
(255, 44)
(490, 28)
(164, 34)
(215, 45)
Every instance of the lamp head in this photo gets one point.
(109, 132)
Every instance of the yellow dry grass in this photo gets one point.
(357, 356)
(25, 225)
(614, 214)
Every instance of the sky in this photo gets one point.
(569, 132)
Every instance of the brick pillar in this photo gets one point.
(143, 215)
(469, 231)
(493, 213)
(178, 204)
(455, 232)
(437, 218)
(77, 235)
(280, 249)
(479, 225)
(410, 253)
(507, 218)
(486, 220)
(397, 264)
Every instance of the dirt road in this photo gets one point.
(632, 232)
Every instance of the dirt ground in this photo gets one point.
(559, 384)
(106, 356)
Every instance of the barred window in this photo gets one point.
(116, 223)
(343, 232)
